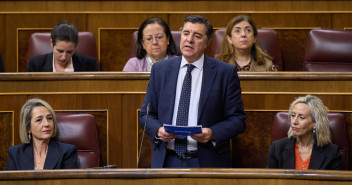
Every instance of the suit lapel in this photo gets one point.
(48, 66)
(172, 75)
(209, 74)
(317, 158)
(27, 159)
(289, 155)
(76, 65)
(52, 156)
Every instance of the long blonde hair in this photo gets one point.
(228, 51)
(319, 114)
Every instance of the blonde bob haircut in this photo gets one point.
(228, 50)
(319, 114)
(26, 117)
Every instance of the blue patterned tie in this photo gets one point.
(183, 109)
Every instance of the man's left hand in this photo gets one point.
(203, 137)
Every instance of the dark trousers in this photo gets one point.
(172, 160)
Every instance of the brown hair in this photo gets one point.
(228, 50)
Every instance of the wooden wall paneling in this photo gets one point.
(2, 38)
(114, 48)
(264, 20)
(291, 20)
(13, 103)
(267, 101)
(193, 5)
(23, 36)
(13, 22)
(250, 149)
(9, 119)
(293, 46)
(341, 21)
(131, 104)
(6, 135)
(114, 33)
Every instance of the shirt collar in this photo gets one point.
(150, 62)
(198, 63)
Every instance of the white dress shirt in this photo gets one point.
(197, 76)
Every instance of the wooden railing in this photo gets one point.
(176, 177)
(115, 98)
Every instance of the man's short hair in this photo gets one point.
(201, 20)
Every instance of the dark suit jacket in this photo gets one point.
(220, 108)
(59, 156)
(282, 155)
(44, 63)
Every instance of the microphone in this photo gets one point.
(141, 144)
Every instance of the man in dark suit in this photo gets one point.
(214, 102)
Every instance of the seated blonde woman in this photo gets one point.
(308, 145)
(40, 150)
(240, 46)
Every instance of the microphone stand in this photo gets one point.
(145, 123)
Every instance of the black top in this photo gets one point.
(282, 155)
(59, 156)
(44, 63)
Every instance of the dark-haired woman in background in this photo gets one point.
(240, 46)
(64, 40)
(154, 44)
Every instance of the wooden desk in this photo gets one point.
(115, 97)
(176, 177)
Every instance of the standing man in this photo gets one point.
(191, 90)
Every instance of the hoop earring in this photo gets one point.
(29, 136)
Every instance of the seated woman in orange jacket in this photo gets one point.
(308, 145)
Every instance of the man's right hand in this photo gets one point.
(165, 136)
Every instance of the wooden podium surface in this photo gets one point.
(114, 98)
(176, 177)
